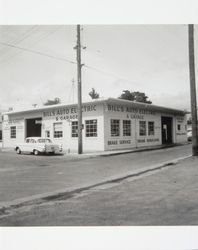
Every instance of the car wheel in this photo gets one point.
(35, 152)
(18, 151)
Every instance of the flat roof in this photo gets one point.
(116, 101)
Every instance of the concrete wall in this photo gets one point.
(70, 144)
(103, 112)
(65, 115)
(124, 112)
(19, 122)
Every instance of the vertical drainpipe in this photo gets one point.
(175, 134)
(135, 132)
(2, 131)
(105, 116)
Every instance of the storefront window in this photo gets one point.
(126, 128)
(115, 127)
(151, 128)
(58, 130)
(13, 132)
(74, 129)
(142, 128)
(91, 128)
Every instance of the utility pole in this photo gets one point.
(73, 90)
(193, 90)
(79, 66)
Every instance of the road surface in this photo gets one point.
(165, 197)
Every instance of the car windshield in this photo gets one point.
(44, 141)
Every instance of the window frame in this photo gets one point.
(144, 134)
(12, 133)
(58, 134)
(125, 129)
(116, 127)
(149, 131)
(91, 128)
(73, 133)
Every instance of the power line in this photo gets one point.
(61, 59)
(31, 30)
(102, 71)
(37, 52)
(64, 59)
(48, 34)
(41, 38)
(17, 41)
(25, 35)
(107, 73)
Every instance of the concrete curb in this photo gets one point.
(141, 150)
(126, 151)
(58, 194)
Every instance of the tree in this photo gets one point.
(53, 102)
(135, 96)
(94, 94)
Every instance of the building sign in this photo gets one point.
(183, 133)
(119, 142)
(38, 121)
(152, 140)
(133, 113)
(18, 122)
(116, 142)
(148, 140)
(135, 116)
(68, 113)
(14, 121)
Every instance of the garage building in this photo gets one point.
(108, 124)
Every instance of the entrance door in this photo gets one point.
(33, 127)
(166, 130)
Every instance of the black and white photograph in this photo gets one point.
(98, 126)
(97, 132)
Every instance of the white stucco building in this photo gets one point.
(107, 125)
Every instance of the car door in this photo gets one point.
(24, 146)
(31, 145)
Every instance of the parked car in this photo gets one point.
(189, 134)
(38, 145)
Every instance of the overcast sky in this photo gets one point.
(148, 58)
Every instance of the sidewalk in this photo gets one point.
(123, 151)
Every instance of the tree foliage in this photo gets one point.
(135, 96)
(53, 102)
(94, 94)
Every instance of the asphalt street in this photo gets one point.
(165, 197)
(131, 201)
(24, 176)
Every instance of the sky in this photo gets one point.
(42, 65)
